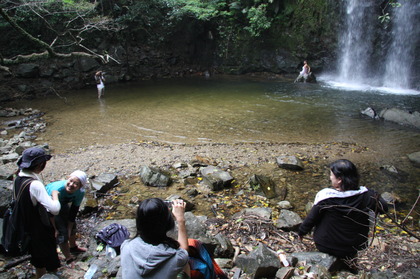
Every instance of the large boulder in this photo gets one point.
(260, 263)
(288, 220)
(215, 178)
(401, 117)
(289, 163)
(104, 182)
(153, 177)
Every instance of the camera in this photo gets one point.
(168, 203)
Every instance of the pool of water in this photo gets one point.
(225, 110)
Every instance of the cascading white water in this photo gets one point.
(357, 48)
(405, 35)
(356, 41)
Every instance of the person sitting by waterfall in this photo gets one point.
(305, 73)
(100, 83)
(341, 215)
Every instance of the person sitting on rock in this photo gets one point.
(151, 253)
(72, 192)
(341, 214)
(305, 73)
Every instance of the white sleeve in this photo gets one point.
(39, 194)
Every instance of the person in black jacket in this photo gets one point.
(341, 214)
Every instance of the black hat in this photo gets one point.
(32, 157)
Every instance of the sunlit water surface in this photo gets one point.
(225, 110)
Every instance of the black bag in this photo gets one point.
(15, 240)
(113, 235)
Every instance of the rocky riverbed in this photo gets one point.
(242, 161)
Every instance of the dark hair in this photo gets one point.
(153, 221)
(348, 173)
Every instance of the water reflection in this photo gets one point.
(225, 110)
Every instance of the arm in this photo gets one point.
(310, 221)
(178, 210)
(39, 194)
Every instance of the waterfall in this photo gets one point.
(356, 41)
(359, 39)
(405, 35)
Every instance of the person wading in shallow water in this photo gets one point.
(340, 215)
(100, 83)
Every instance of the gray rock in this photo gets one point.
(285, 273)
(28, 70)
(315, 258)
(289, 162)
(308, 207)
(215, 178)
(389, 197)
(152, 177)
(401, 117)
(11, 157)
(266, 184)
(415, 158)
(288, 220)
(284, 205)
(104, 182)
(370, 112)
(260, 263)
(262, 212)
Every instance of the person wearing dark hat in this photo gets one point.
(34, 205)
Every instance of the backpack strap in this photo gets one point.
(22, 188)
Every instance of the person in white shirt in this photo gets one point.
(34, 205)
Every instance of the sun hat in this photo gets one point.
(82, 176)
(32, 157)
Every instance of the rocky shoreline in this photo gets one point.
(241, 160)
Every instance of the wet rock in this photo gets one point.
(401, 117)
(264, 183)
(394, 173)
(370, 112)
(288, 220)
(104, 182)
(415, 158)
(152, 177)
(289, 163)
(306, 78)
(215, 178)
(260, 263)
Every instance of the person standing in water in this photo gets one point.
(100, 83)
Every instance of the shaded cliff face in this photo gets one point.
(299, 30)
